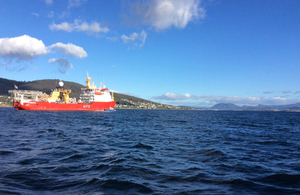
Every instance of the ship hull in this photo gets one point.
(53, 106)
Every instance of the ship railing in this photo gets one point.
(93, 90)
(72, 100)
(12, 92)
(87, 94)
(25, 94)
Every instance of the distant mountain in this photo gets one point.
(225, 106)
(260, 107)
(287, 106)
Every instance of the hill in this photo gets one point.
(225, 106)
(38, 85)
(123, 101)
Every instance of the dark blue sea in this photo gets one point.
(149, 152)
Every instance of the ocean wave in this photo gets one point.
(149, 152)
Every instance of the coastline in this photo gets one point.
(5, 105)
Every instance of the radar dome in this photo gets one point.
(61, 83)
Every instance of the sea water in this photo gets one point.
(149, 152)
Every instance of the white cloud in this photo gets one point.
(80, 26)
(27, 48)
(22, 48)
(48, 2)
(214, 99)
(162, 14)
(132, 37)
(172, 96)
(225, 99)
(75, 3)
(35, 14)
(65, 26)
(63, 63)
(135, 37)
(70, 49)
(92, 28)
(53, 60)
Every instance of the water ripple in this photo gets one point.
(149, 152)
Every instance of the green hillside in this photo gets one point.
(48, 84)
(39, 85)
(123, 101)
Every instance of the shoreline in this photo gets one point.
(5, 105)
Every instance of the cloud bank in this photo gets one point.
(172, 96)
(214, 99)
(79, 26)
(162, 14)
(25, 48)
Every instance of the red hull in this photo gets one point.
(46, 106)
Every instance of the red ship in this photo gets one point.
(91, 99)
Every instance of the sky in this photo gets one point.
(179, 52)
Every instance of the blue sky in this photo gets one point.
(179, 52)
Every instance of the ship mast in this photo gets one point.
(88, 81)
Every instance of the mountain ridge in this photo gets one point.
(230, 106)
